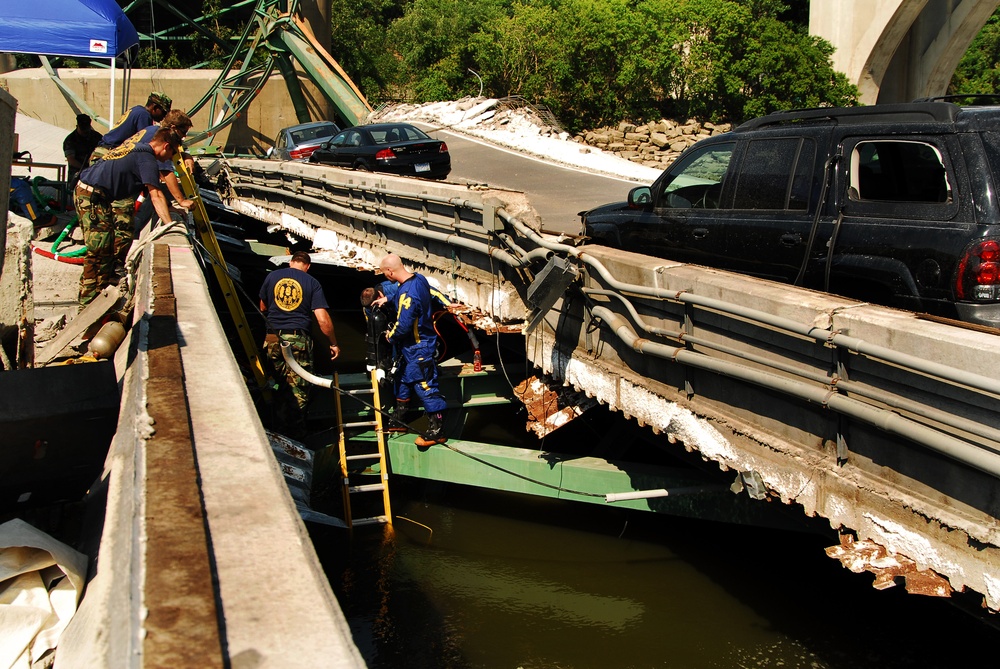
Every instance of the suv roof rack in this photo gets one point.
(913, 112)
(986, 98)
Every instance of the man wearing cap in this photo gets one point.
(120, 176)
(178, 123)
(138, 118)
(78, 146)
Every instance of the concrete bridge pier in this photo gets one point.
(899, 50)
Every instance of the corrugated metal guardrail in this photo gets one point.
(816, 394)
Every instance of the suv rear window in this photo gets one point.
(991, 140)
(898, 171)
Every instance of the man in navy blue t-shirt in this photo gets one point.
(122, 174)
(289, 299)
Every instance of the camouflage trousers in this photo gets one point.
(292, 396)
(107, 233)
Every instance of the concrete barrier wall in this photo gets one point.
(39, 97)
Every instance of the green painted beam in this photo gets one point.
(340, 93)
(579, 479)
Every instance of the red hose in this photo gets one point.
(59, 257)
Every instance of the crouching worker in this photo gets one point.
(414, 337)
(122, 174)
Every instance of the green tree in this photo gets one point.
(979, 70)
(432, 43)
(360, 42)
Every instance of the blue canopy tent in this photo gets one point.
(72, 28)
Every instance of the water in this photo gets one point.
(479, 579)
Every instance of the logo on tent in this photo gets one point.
(98, 46)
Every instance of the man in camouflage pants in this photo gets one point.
(122, 174)
(289, 299)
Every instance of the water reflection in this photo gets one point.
(503, 582)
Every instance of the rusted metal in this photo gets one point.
(860, 556)
(550, 409)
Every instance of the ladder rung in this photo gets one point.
(374, 520)
(364, 456)
(371, 487)
(359, 391)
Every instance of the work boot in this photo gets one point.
(435, 431)
(397, 423)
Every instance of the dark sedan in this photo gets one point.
(397, 148)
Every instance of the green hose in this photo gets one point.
(45, 202)
(76, 253)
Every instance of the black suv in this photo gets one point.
(895, 204)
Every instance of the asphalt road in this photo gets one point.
(557, 193)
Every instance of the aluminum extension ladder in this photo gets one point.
(358, 450)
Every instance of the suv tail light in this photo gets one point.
(299, 154)
(979, 272)
(385, 154)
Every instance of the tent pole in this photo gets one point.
(111, 101)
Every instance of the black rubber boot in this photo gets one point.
(398, 421)
(435, 431)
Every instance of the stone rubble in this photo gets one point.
(653, 144)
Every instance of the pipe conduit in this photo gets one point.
(922, 410)
(887, 421)
(854, 344)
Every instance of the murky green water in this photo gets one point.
(504, 582)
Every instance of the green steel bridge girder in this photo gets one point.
(571, 478)
(343, 96)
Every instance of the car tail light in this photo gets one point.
(385, 154)
(299, 154)
(444, 148)
(979, 272)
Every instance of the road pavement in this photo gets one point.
(557, 193)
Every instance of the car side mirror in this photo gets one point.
(640, 198)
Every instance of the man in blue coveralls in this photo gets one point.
(414, 335)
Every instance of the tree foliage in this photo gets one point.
(979, 70)
(599, 61)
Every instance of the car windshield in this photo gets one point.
(699, 176)
(399, 133)
(312, 133)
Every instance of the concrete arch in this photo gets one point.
(898, 50)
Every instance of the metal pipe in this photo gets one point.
(958, 422)
(946, 372)
(660, 492)
(969, 454)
